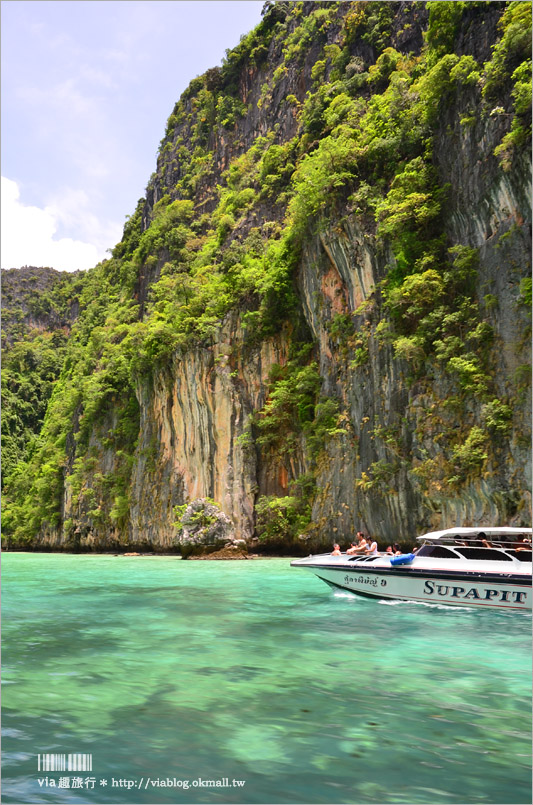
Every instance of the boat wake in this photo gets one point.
(396, 603)
(347, 597)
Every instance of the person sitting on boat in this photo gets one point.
(525, 545)
(362, 545)
(336, 550)
(372, 547)
(482, 537)
(394, 549)
(352, 548)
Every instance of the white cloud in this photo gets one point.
(72, 212)
(29, 234)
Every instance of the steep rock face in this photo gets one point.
(194, 442)
(340, 271)
(338, 276)
(193, 429)
(490, 210)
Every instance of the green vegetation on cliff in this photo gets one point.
(360, 95)
(38, 307)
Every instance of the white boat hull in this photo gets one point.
(400, 584)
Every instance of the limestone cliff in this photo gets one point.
(320, 311)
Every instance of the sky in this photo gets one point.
(86, 90)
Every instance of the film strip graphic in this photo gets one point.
(64, 762)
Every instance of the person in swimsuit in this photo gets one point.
(362, 545)
(372, 547)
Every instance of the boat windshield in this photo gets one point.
(437, 552)
(484, 553)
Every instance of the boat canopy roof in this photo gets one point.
(474, 533)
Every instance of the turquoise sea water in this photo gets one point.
(258, 672)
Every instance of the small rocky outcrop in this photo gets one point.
(229, 551)
(203, 528)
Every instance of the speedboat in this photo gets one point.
(481, 567)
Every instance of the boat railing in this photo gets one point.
(471, 550)
(508, 543)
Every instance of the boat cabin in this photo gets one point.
(496, 544)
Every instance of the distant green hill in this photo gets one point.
(39, 306)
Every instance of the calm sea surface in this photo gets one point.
(172, 671)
